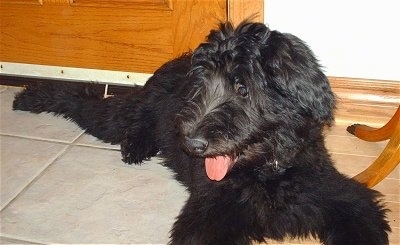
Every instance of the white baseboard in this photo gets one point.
(74, 74)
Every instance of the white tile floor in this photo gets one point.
(59, 185)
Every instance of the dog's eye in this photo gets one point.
(241, 90)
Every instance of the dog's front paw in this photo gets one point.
(134, 152)
(128, 153)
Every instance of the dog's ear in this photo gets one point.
(291, 68)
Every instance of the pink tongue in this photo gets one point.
(217, 167)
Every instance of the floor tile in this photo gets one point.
(353, 146)
(21, 161)
(40, 126)
(394, 214)
(8, 240)
(338, 129)
(2, 88)
(394, 236)
(390, 188)
(353, 165)
(89, 196)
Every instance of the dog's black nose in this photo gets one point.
(196, 145)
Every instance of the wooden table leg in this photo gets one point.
(390, 156)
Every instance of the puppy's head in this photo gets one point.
(252, 93)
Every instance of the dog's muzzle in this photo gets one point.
(195, 145)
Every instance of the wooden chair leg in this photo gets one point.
(384, 164)
(373, 134)
(390, 156)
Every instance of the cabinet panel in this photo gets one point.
(86, 37)
(125, 35)
(137, 4)
(34, 2)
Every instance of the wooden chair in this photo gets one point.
(390, 156)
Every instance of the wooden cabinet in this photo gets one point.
(124, 35)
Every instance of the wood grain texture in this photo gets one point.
(137, 4)
(105, 36)
(85, 37)
(364, 100)
(125, 35)
(26, 2)
(191, 29)
(239, 10)
(56, 2)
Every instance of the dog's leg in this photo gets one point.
(137, 146)
(355, 217)
(139, 143)
(104, 118)
(215, 220)
(141, 138)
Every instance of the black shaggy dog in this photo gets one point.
(240, 122)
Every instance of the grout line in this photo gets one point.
(344, 136)
(73, 142)
(76, 143)
(96, 147)
(352, 154)
(391, 178)
(398, 202)
(350, 121)
(77, 137)
(36, 138)
(21, 239)
(340, 135)
(39, 173)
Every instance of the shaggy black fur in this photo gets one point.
(254, 98)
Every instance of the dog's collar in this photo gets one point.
(276, 167)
